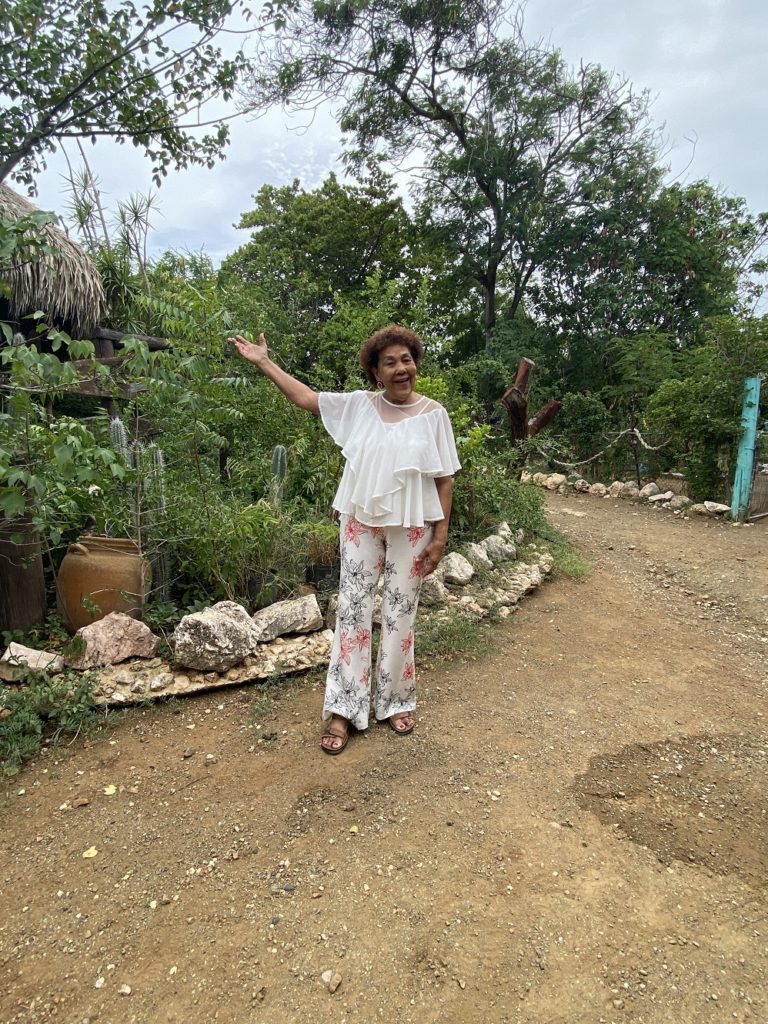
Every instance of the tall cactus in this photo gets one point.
(118, 436)
(154, 487)
(279, 470)
(148, 499)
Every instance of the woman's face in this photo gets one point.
(397, 372)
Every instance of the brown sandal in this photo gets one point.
(330, 734)
(399, 718)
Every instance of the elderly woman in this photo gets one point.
(394, 502)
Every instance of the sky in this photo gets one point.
(702, 62)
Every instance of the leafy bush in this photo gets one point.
(44, 708)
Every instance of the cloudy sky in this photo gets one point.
(701, 60)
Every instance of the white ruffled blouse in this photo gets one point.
(393, 454)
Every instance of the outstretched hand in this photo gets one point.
(256, 354)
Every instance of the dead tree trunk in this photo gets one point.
(515, 401)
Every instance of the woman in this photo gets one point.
(394, 502)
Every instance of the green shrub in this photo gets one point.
(44, 708)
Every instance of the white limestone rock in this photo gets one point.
(540, 479)
(455, 568)
(555, 481)
(478, 556)
(113, 639)
(614, 491)
(649, 490)
(679, 502)
(216, 638)
(498, 549)
(664, 496)
(34, 660)
(598, 489)
(716, 508)
(433, 591)
(298, 615)
(630, 490)
(581, 485)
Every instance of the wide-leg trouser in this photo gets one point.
(367, 553)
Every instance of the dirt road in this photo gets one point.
(576, 832)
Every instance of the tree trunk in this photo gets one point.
(23, 601)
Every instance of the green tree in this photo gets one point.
(644, 259)
(699, 412)
(316, 260)
(88, 68)
(509, 136)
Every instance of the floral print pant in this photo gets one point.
(368, 552)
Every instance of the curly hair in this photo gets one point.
(392, 334)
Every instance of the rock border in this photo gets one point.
(486, 579)
(650, 493)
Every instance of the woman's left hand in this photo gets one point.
(430, 557)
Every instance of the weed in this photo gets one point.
(48, 634)
(262, 703)
(443, 637)
(43, 709)
(568, 560)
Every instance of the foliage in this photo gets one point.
(63, 473)
(89, 68)
(512, 140)
(583, 422)
(487, 490)
(700, 411)
(44, 708)
(443, 637)
(322, 269)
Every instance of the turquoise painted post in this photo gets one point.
(742, 482)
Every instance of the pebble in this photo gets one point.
(124, 990)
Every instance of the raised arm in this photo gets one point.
(294, 390)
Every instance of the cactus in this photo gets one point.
(148, 500)
(154, 488)
(118, 436)
(279, 470)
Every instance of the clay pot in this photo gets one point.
(109, 573)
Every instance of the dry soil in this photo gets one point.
(575, 833)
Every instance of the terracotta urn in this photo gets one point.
(99, 575)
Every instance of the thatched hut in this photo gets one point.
(64, 283)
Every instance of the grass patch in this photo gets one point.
(568, 559)
(45, 709)
(442, 638)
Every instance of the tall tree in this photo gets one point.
(318, 255)
(507, 133)
(89, 68)
(648, 258)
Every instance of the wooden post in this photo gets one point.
(745, 464)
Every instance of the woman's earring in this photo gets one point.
(379, 384)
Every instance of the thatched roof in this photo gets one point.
(64, 284)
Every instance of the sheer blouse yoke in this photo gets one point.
(393, 454)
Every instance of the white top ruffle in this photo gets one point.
(389, 476)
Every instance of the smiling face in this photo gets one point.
(396, 370)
